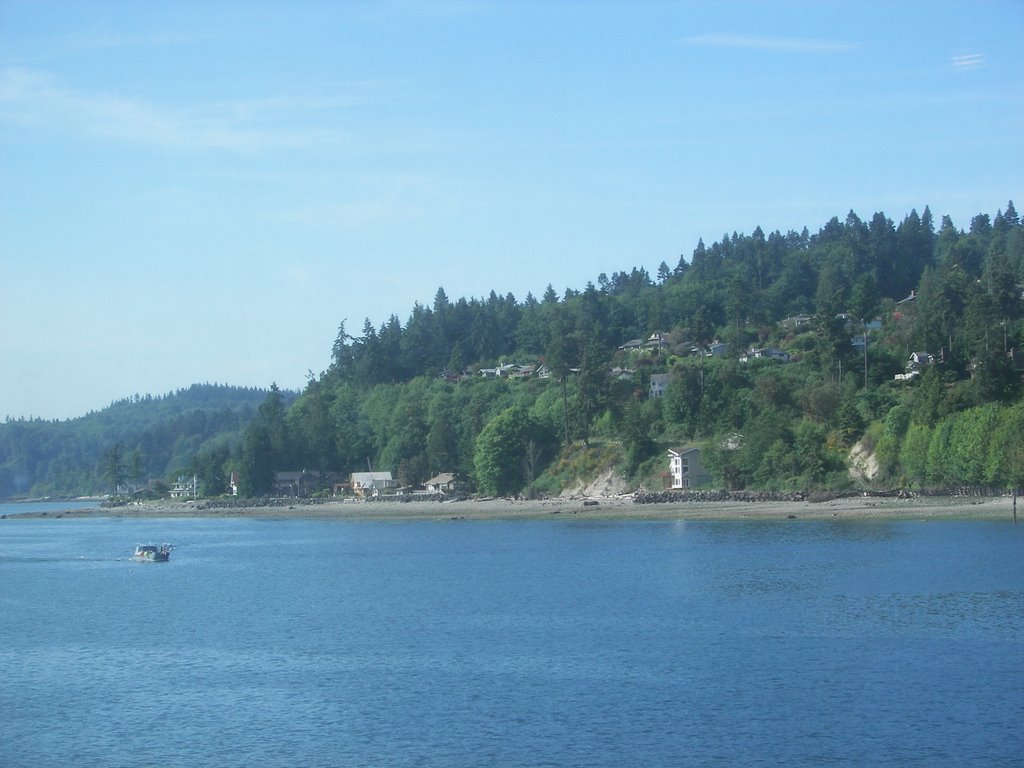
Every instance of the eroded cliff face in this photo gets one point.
(607, 483)
(863, 464)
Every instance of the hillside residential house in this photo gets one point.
(919, 359)
(796, 322)
(653, 343)
(659, 383)
(372, 483)
(915, 363)
(685, 469)
(769, 353)
(621, 374)
(514, 371)
(501, 372)
(656, 342)
(717, 349)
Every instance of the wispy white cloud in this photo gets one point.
(967, 61)
(770, 43)
(37, 51)
(34, 98)
(379, 202)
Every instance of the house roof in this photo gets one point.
(683, 451)
(365, 478)
(442, 479)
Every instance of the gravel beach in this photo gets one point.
(594, 508)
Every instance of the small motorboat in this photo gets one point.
(151, 553)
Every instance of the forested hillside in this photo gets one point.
(836, 316)
(408, 397)
(157, 437)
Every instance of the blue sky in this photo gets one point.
(202, 191)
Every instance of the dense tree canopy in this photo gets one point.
(159, 437)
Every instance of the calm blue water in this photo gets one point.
(49, 507)
(544, 643)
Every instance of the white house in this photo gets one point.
(685, 469)
(770, 353)
(372, 483)
(183, 487)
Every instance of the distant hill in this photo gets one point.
(161, 435)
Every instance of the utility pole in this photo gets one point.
(865, 354)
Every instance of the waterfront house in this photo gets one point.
(183, 487)
(300, 483)
(685, 469)
(367, 484)
(445, 482)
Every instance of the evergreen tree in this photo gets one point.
(256, 476)
(114, 468)
(265, 448)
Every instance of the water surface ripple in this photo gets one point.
(528, 643)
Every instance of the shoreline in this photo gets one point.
(578, 508)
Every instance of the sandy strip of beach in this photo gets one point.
(600, 508)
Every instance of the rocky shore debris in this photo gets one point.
(697, 496)
(291, 501)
